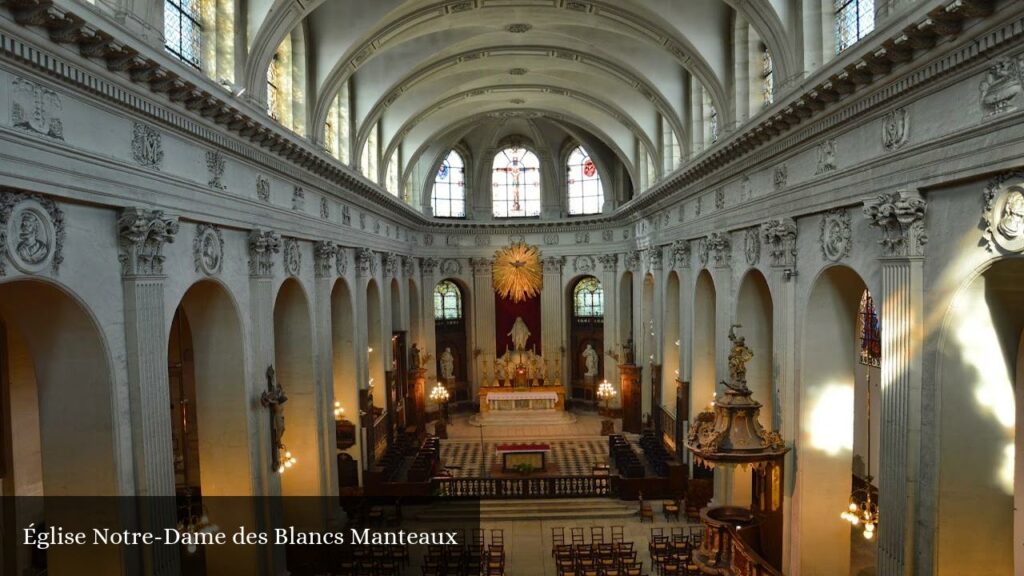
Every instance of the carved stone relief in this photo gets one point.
(141, 238)
(516, 239)
(632, 261)
(483, 239)
(702, 252)
(719, 198)
(451, 267)
(1003, 213)
(721, 246)
(390, 260)
(292, 257)
(481, 266)
(208, 249)
(746, 193)
(325, 208)
(428, 265)
(654, 258)
(324, 258)
(36, 109)
(428, 239)
(366, 262)
(553, 264)
(607, 235)
(826, 156)
(262, 188)
(215, 169)
(263, 244)
(680, 254)
(781, 177)
(341, 260)
(362, 221)
(895, 129)
(31, 232)
(408, 266)
(752, 246)
(1001, 88)
(900, 215)
(583, 237)
(608, 262)
(346, 216)
(780, 236)
(147, 147)
(584, 264)
(298, 199)
(835, 235)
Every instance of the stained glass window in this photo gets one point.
(447, 301)
(767, 76)
(515, 181)
(588, 298)
(854, 20)
(586, 194)
(448, 198)
(870, 332)
(182, 30)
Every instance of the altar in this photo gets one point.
(536, 398)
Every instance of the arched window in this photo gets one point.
(588, 298)
(448, 198)
(854, 20)
(183, 30)
(371, 154)
(337, 126)
(516, 183)
(586, 194)
(286, 80)
(870, 332)
(767, 77)
(447, 301)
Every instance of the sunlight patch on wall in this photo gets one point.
(831, 419)
(993, 389)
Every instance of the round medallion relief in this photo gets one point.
(30, 237)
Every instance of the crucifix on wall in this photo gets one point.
(514, 171)
(273, 399)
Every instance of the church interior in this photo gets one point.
(612, 287)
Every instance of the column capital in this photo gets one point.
(900, 215)
(609, 262)
(779, 235)
(428, 266)
(141, 237)
(263, 244)
(325, 255)
(654, 258)
(390, 260)
(553, 264)
(481, 266)
(366, 263)
(679, 254)
(632, 260)
(720, 244)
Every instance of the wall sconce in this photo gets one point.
(789, 273)
(339, 412)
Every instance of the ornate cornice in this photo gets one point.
(142, 234)
(900, 216)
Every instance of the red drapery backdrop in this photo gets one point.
(505, 314)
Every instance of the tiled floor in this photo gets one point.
(567, 457)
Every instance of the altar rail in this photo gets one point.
(525, 487)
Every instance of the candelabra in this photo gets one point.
(440, 396)
(605, 393)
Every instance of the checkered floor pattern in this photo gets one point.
(572, 457)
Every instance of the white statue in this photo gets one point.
(519, 333)
(590, 361)
(447, 364)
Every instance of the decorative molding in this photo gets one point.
(752, 246)
(262, 188)
(900, 215)
(583, 237)
(780, 178)
(719, 198)
(609, 262)
(428, 239)
(835, 235)
(298, 199)
(1002, 216)
(325, 208)
(584, 264)
(142, 235)
(519, 27)
(215, 169)
(31, 232)
(147, 146)
(826, 156)
(451, 267)
(341, 260)
(679, 254)
(631, 260)
(482, 239)
(654, 258)
(325, 255)
(391, 265)
(516, 239)
(263, 244)
(779, 235)
(703, 251)
(208, 249)
(719, 243)
(292, 257)
(895, 129)
(553, 264)
(481, 266)
(408, 266)
(1001, 88)
(36, 108)
(366, 263)
(746, 191)
(428, 266)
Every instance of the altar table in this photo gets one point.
(536, 399)
(532, 455)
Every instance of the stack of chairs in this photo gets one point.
(626, 461)
(657, 456)
(599, 557)
(377, 560)
(672, 554)
(463, 559)
(426, 460)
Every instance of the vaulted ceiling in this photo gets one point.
(610, 69)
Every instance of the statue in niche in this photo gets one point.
(32, 246)
(274, 399)
(628, 352)
(414, 357)
(738, 358)
(590, 361)
(519, 333)
(1011, 223)
(447, 364)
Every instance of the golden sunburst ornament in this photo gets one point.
(517, 273)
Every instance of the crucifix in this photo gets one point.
(274, 399)
(513, 171)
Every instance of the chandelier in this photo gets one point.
(605, 392)
(439, 394)
(517, 273)
(862, 509)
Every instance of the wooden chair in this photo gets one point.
(646, 512)
(670, 508)
(577, 536)
(557, 537)
(597, 534)
(616, 534)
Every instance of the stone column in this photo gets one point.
(428, 269)
(779, 238)
(142, 235)
(653, 357)
(900, 216)
(483, 316)
(609, 284)
(720, 255)
(325, 257)
(366, 268)
(552, 320)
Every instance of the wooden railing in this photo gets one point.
(667, 426)
(724, 551)
(380, 435)
(525, 487)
